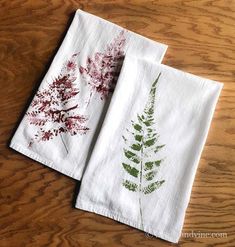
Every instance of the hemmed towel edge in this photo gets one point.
(115, 216)
(164, 46)
(36, 157)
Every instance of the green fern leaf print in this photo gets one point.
(140, 152)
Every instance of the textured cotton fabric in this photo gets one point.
(144, 162)
(64, 118)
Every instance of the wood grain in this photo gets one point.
(36, 203)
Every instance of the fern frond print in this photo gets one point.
(140, 152)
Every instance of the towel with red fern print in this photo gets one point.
(63, 120)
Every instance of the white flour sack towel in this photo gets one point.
(144, 162)
(63, 119)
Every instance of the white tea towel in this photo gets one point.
(64, 117)
(144, 161)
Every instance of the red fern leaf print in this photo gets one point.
(53, 110)
(102, 70)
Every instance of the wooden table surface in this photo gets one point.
(37, 203)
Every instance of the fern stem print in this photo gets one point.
(140, 153)
(65, 146)
(140, 187)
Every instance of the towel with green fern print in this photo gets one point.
(143, 164)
